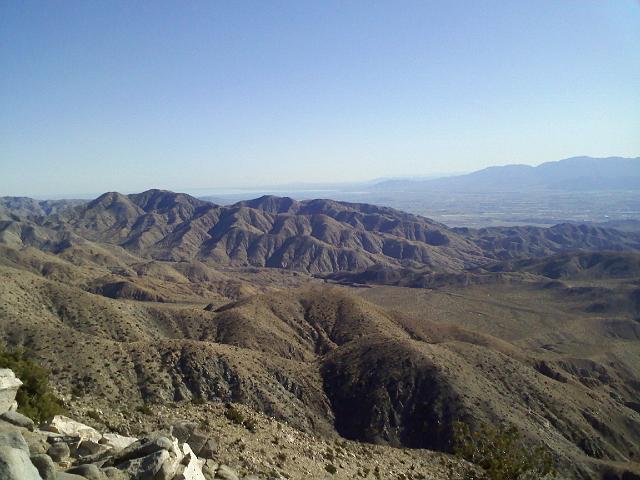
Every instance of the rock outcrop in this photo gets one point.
(78, 451)
(9, 386)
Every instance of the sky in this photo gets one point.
(119, 95)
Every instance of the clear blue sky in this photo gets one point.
(109, 95)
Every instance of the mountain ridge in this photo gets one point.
(316, 236)
(571, 174)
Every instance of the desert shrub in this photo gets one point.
(35, 398)
(234, 415)
(95, 415)
(145, 409)
(331, 469)
(251, 425)
(502, 453)
(237, 417)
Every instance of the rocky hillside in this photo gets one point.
(203, 442)
(577, 266)
(313, 236)
(317, 236)
(13, 208)
(328, 363)
(525, 242)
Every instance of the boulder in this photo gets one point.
(9, 385)
(67, 426)
(143, 447)
(209, 449)
(90, 448)
(192, 465)
(117, 442)
(44, 465)
(89, 471)
(183, 429)
(100, 459)
(18, 419)
(201, 443)
(169, 469)
(112, 473)
(197, 441)
(14, 440)
(226, 473)
(56, 438)
(172, 466)
(147, 467)
(59, 451)
(16, 465)
(36, 441)
(68, 476)
(209, 469)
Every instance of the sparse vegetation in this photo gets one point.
(145, 409)
(237, 417)
(331, 469)
(95, 415)
(502, 453)
(250, 424)
(35, 398)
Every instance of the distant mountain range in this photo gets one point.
(571, 174)
(316, 236)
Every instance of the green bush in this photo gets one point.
(502, 453)
(35, 398)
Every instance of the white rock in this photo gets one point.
(193, 465)
(115, 441)
(176, 450)
(9, 385)
(171, 465)
(146, 467)
(66, 426)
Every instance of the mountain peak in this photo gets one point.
(108, 199)
(271, 204)
(163, 200)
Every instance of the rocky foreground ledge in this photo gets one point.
(65, 449)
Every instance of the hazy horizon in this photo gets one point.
(202, 95)
(299, 190)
